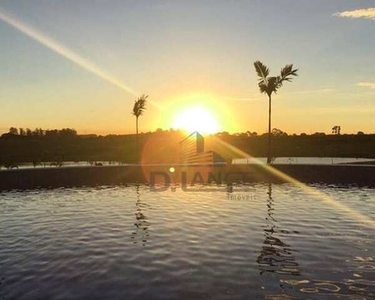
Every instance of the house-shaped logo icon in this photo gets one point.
(192, 151)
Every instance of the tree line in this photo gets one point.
(39, 132)
(70, 132)
(162, 146)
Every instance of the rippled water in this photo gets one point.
(249, 242)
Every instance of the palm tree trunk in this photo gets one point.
(136, 126)
(269, 131)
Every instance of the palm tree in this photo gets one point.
(138, 110)
(271, 84)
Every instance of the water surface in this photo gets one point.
(243, 242)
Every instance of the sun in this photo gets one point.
(196, 119)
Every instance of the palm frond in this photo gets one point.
(262, 88)
(270, 87)
(273, 83)
(286, 74)
(262, 71)
(140, 105)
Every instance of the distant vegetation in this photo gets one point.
(317, 144)
(39, 132)
(56, 146)
(162, 146)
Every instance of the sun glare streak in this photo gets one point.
(67, 53)
(313, 192)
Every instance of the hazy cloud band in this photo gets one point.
(367, 13)
(370, 85)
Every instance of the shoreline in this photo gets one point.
(39, 178)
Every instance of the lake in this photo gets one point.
(255, 241)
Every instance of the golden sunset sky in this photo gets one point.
(81, 64)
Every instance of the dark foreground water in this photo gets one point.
(249, 242)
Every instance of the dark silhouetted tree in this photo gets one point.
(29, 132)
(278, 132)
(251, 134)
(269, 85)
(13, 131)
(318, 134)
(138, 110)
(336, 130)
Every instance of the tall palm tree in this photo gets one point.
(138, 110)
(269, 85)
